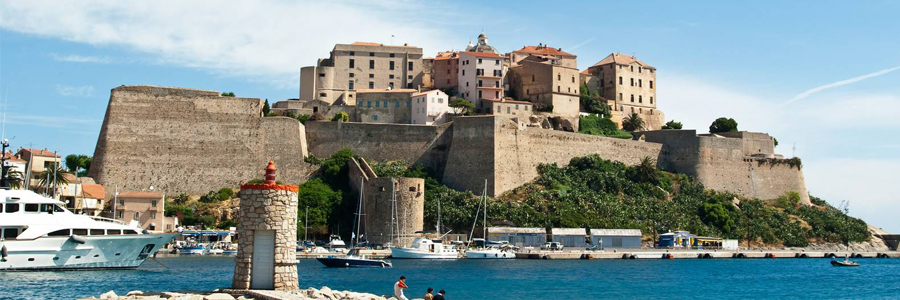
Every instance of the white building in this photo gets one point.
(430, 108)
(481, 76)
(518, 236)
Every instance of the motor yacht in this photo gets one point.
(38, 233)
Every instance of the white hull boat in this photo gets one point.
(491, 253)
(38, 233)
(426, 249)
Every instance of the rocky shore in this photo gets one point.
(324, 293)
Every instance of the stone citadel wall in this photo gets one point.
(191, 141)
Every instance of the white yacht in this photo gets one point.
(494, 252)
(38, 233)
(426, 248)
(488, 249)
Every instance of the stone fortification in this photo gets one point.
(414, 144)
(743, 163)
(507, 155)
(185, 140)
(267, 236)
(378, 209)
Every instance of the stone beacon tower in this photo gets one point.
(267, 236)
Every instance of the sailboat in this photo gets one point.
(425, 248)
(353, 259)
(499, 250)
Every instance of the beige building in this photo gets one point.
(430, 108)
(361, 65)
(147, 209)
(383, 106)
(628, 85)
(481, 76)
(38, 161)
(510, 108)
(546, 82)
(446, 71)
(554, 55)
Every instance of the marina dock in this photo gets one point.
(655, 254)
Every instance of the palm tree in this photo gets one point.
(53, 174)
(16, 178)
(633, 123)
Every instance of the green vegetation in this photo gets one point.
(216, 196)
(672, 125)
(462, 107)
(266, 108)
(228, 94)
(723, 125)
(341, 116)
(302, 118)
(591, 102)
(598, 125)
(322, 201)
(204, 211)
(776, 141)
(633, 123)
(16, 179)
(78, 164)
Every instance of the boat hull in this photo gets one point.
(97, 252)
(490, 254)
(341, 262)
(408, 253)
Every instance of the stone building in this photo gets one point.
(361, 65)
(554, 55)
(383, 199)
(547, 82)
(430, 108)
(267, 236)
(144, 209)
(510, 108)
(382, 106)
(446, 71)
(628, 85)
(481, 76)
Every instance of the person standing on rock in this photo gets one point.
(428, 295)
(399, 287)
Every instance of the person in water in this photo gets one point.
(399, 287)
(428, 295)
(440, 295)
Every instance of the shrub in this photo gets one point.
(302, 118)
(461, 106)
(341, 116)
(672, 125)
(228, 94)
(597, 125)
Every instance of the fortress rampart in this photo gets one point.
(191, 141)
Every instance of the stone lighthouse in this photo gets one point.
(267, 236)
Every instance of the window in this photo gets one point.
(153, 215)
(398, 104)
(526, 107)
(410, 66)
(632, 68)
(651, 84)
(409, 77)
(640, 99)
(371, 84)
(640, 83)
(507, 109)
(463, 72)
(350, 85)
(371, 53)
(375, 117)
(31, 207)
(121, 201)
(79, 231)
(517, 107)
(467, 83)
(390, 65)
(632, 98)
(96, 231)
(391, 76)
(440, 100)
(10, 233)
(390, 86)
(359, 103)
(12, 208)
(369, 103)
(570, 89)
(639, 69)
(129, 232)
(558, 76)
(321, 74)
(496, 84)
(392, 55)
(479, 83)
(497, 62)
(651, 100)
(557, 89)
(352, 63)
(620, 97)
(114, 232)
(352, 53)
(377, 104)
(371, 75)
(47, 208)
(479, 94)
(620, 80)
(137, 215)
(385, 103)
(479, 61)
(153, 203)
(371, 64)
(573, 79)
(497, 95)
(121, 215)
(632, 81)
(352, 75)
(532, 78)
(61, 232)
(408, 103)
(323, 95)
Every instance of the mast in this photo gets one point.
(438, 231)
(484, 199)
(306, 225)
(358, 212)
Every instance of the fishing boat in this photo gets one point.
(845, 263)
(353, 258)
(487, 249)
(193, 248)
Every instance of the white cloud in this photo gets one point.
(869, 185)
(696, 104)
(75, 91)
(50, 121)
(80, 58)
(261, 40)
(839, 83)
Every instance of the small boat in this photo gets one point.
(495, 252)
(845, 263)
(488, 249)
(193, 249)
(352, 260)
(426, 248)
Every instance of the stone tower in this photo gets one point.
(267, 236)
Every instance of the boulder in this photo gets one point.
(218, 296)
(134, 293)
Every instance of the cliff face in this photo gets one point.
(191, 141)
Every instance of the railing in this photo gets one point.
(102, 219)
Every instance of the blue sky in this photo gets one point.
(59, 59)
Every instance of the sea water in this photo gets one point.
(811, 278)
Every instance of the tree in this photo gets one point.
(321, 200)
(590, 102)
(633, 123)
(51, 175)
(266, 108)
(461, 106)
(723, 125)
(228, 94)
(341, 116)
(78, 164)
(672, 125)
(16, 179)
(776, 141)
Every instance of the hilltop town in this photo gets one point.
(475, 120)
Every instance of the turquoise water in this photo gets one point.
(503, 279)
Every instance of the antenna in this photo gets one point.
(794, 150)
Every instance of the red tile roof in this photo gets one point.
(621, 59)
(483, 54)
(141, 195)
(95, 191)
(544, 50)
(13, 158)
(39, 152)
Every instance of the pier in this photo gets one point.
(697, 254)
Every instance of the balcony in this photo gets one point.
(489, 77)
(493, 88)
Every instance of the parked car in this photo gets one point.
(552, 246)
